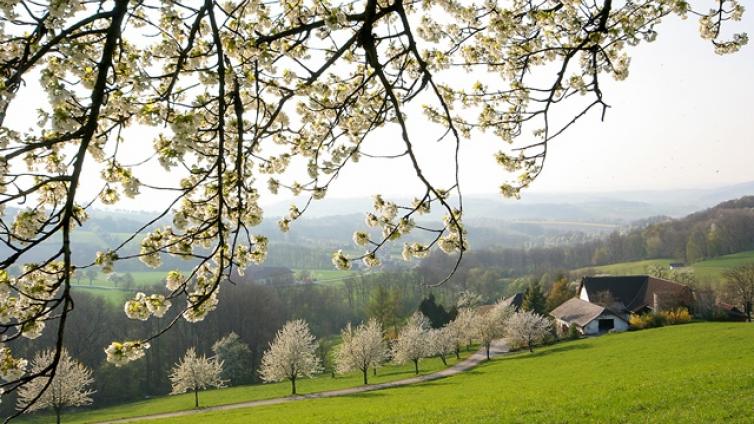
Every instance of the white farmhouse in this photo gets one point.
(587, 317)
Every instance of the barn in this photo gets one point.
(636, 294)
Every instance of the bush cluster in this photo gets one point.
(659, 319)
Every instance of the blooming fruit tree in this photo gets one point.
(67, 388)
(247, 98)
(527, 328)
(413, 342)
(292, 355)
(361, 348)
(195, 373)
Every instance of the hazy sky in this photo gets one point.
(682, 119)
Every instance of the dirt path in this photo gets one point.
(498, 348)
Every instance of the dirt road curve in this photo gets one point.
(498, 348)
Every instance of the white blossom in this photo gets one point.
(360, 238)
(11, 368)
(121, 353)
(340, 261)
(443, 341)
(464, 326)
(291, 355)
(412, 343)
(361, 348)
(68, 387)
(194, 373)
(491, 324)
(527, 329)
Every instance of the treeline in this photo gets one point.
(254, 312)
(724, 229)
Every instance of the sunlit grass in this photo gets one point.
(708, 271)
(243, 394)
(696, 373)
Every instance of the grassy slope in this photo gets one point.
(333, 277)
(637, 267)
(710, 270)
(242, 394)
(713, 269)
(700, 373)
(115, 297)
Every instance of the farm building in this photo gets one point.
(588, 318)
(635, 294)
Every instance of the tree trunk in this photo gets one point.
(57, 414)
(458, 351)
(531, 349)
(487, 349)
(374, 371)
(416, 366)
(364, 371)
(293, 385)
(196, 398)
(444, 361)
(748, 311)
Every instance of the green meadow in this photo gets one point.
(694, 373)
(708, 271)
(241, 394)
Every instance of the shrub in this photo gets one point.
(650, 320)
(676, 316)
(642, 321)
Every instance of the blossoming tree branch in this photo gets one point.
(251, 98)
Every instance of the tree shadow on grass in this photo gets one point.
(405, 373)
(523, 354)
(374, 394)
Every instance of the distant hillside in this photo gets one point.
(724, 229)
(708, 271)
(620, 207)
(537, 235)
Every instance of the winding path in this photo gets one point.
(498, 348)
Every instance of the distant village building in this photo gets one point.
(730, 312)
(588, 318)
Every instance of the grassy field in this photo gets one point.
(713, 269)
(116, 297)
(241, 394)
(141, 278)
(638, 267)
(327, 276)
(708, 271)
(695, 373)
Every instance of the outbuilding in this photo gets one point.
(588, 318)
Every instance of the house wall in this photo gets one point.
(594, 326)
(583, 295)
